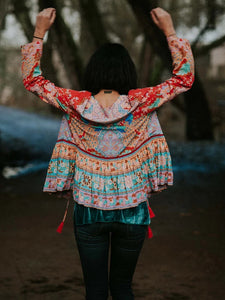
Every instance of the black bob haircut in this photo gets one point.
(110, 67)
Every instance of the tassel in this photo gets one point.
(150, 234)
(151, 213)
(59, 229)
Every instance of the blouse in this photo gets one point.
(112, 159)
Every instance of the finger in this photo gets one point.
(50, 9)
(155, 12)
(154, 17)
(48, 12)
(158, 9)
(53, 16)
(41, 13)
(161, 12)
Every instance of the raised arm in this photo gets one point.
(64, 99)
(183, 68)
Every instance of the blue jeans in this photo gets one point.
(93, 241)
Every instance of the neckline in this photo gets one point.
(109, 106)
(108, 115)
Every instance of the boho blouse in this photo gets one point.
(113, 158)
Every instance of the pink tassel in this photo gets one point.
(150, 234)
(59, 229)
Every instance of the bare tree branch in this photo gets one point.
(206, 48)
(200, 35)
(213, 10)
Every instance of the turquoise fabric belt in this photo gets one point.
(134, 215)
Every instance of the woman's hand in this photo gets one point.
(44, 21)
(163, 20)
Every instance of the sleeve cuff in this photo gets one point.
(32, 48)
(36, 44)
(172, 37)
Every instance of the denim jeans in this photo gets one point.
(94, 241)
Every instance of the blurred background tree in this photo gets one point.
(81, 26)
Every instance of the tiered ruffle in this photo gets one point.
(110, 183)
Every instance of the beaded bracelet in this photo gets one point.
(36, 37)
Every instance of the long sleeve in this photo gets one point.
(64, 99)
(182, 79)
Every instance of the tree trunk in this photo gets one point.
(155, 36)
(199, 123)
(211, 13)
(4, 5)
(145, 65)
(90, 13)
(48, 67)
(66, 46)
(21, 12)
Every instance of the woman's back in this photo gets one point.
(106, 98)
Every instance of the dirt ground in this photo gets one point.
(184, 260)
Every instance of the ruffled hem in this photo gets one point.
(112, 183)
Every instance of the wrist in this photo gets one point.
(39, 33)
(171, 34)
(169, 31)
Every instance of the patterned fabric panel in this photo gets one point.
(114, 139)
(91, 110)
(110, 183)
(65, 99)
(152, 98)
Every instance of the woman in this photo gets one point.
(110, 152)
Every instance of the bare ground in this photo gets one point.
(184, 260)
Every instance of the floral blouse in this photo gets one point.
(111, 158)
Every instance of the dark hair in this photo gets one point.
(110, 67)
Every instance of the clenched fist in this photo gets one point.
(44, 21)
(163, 20)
